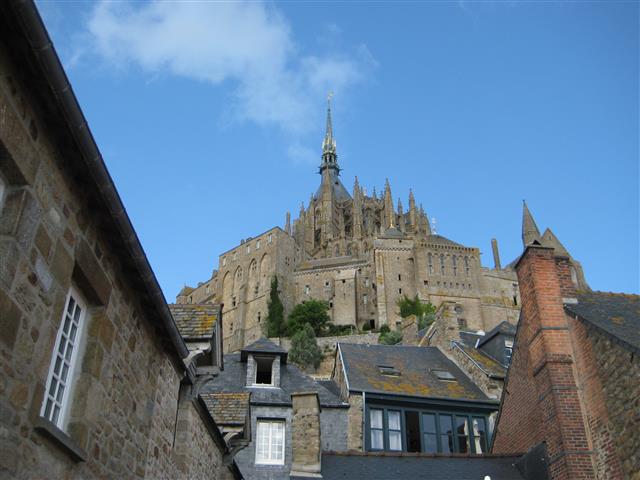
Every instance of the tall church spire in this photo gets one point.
(530, 230)
(329, 155)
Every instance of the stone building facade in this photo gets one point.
(93, 382)
(360, 253)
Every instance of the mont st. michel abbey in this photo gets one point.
(360, 253)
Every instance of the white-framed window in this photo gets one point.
(62, 370)
(270, 238)
(224, 261)
(258, 244)
(270, 442)
(248, 248)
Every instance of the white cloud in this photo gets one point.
(248, 45)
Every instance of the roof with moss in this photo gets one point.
(227, 408)
(417, 372)
(195, 320)
(616, 314)
(488, 365)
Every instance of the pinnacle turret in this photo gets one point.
(530, 230)
(329, 154)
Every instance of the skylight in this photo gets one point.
(388, 370)
(444, 375)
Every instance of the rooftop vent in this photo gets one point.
(444, 375)
(388, 370)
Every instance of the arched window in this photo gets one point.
(466, 266)
(441, 264)
(430, 260)
(455, 265)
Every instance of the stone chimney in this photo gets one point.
(496, 254)
(305, 435)
(410, 330)
(542, 401)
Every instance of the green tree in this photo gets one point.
(312, 312)
(424, 312)
(304, 350)
(275, 312)
(390, 338)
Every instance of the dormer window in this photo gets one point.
(264, 371)
(508, 351)
(444, 375)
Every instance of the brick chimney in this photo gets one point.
(305, 435)
(542, 400)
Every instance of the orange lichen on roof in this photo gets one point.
(205, 322)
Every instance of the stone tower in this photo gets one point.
(360, 253)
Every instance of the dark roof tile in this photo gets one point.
(617, 314)
(233, 378)
(374, 466)
(195, 320)
(227, 408)
(416, 366)
(264, 345)
(504, 327)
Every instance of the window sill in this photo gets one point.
(60, 438)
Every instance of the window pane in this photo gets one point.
(377, 440)
(429, 423)
(47, 410)
(446, 434)
(446, 442)
(462, 429)
(395, 441)
(479, 435)
(375, 418)
(56, 413)
(67, 322)
(430, 443)
(394, 420)
(72, 336)
(68, 353)
(60, 393)
(72, 303)
(56, 369)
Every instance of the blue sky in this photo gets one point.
(210, 118)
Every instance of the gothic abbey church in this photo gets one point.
(360, 254)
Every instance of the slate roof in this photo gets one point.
(504, 327)
(375, 466)
(195, 320)
(227, 408)
(233, 378)
(416, 379)
(331, 385)
(264, 345)
(441, 240)
(485, 362)
(470, 338)
(617, 314)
